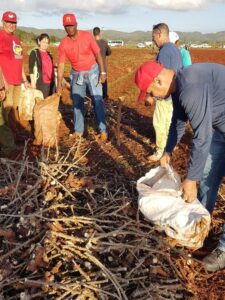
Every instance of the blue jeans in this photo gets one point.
(80, 81)
(212, 177)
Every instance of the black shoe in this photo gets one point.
(214, 261)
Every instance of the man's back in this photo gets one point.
(203, 84)
(199, 98)
(104, 49)
(169, 56)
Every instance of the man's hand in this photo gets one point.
(189, 189)
(59, 90)
(102, 78)
(165, 160)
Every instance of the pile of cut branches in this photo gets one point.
(66, 233)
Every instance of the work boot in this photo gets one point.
(215, 261)
(103, 136)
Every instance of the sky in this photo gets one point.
(123, 15)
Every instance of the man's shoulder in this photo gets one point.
(169, 46)
(5, 35)
(84, 33)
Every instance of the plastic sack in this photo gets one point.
(160, 201)
(46, 121)
(27, 102)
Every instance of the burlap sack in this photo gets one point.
(46, 121)
(27, 102)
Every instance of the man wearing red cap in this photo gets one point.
(198, 97)
(11, 62)
(82, 51)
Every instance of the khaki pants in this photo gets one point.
(12, 101)
(11, 112)
(6, 137)
(161, 122)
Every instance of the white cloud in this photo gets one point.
(100, 6)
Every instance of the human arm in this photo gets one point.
(189, 190)
(60, 74)
(102, 72)
(177, 126)
(32, 60)
(108, 50)
(197, 104)
(24, 77)
(61, 67)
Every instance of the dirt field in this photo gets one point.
(118, 164)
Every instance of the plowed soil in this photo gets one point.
(127, 150)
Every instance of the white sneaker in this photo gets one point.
(155, 157)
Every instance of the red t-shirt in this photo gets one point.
(47, 67)
(11, 57)
(80, 52)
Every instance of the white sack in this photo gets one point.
(160, 201)
(27, 102)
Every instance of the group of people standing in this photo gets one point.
(87, 56)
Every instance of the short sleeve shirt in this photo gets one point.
(80, 51)
(11, 57)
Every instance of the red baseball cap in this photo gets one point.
(9, 16)
(145, 75)
(69, 20)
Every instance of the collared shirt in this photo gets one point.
(80, 52)
(199, 98)
(169, 56)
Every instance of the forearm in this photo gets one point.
(176, 131)
(24, 77)
(60, 76)
(32, 80)
(198, 158)
(100, 62)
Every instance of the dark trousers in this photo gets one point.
(47, 89)
(105, 90)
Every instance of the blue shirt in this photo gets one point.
(186, 57)
(199, 98)
(169, 56)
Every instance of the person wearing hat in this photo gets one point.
(185, 54)
(11, 62)
(198, 97)
(105, 51)
(83, 53)
(170, 57)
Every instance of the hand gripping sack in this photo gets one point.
(46, 121)
(160, 201)
(27, 102)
